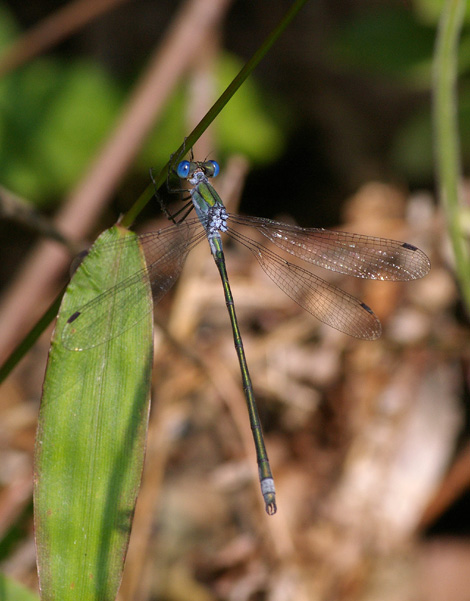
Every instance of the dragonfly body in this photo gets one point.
(166, 249)
(213, 216)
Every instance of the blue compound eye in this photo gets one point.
(183, 169)
(215, 168)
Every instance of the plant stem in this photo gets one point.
(446, 135)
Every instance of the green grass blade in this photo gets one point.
(447, 137)
(91, 438)
(12, 591)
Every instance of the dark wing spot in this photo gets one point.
(409, 246)
(364, 306)
(73, 317)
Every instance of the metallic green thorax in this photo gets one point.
(208, 204)
(205, 195)
(213, 216)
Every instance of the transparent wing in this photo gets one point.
(105, 316)
(324, 301)
(351, 254)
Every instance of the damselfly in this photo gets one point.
(165, 252)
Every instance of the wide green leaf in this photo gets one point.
(92, 425)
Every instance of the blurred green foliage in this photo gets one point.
(54, 115)
(389, 43)
(396, 45)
